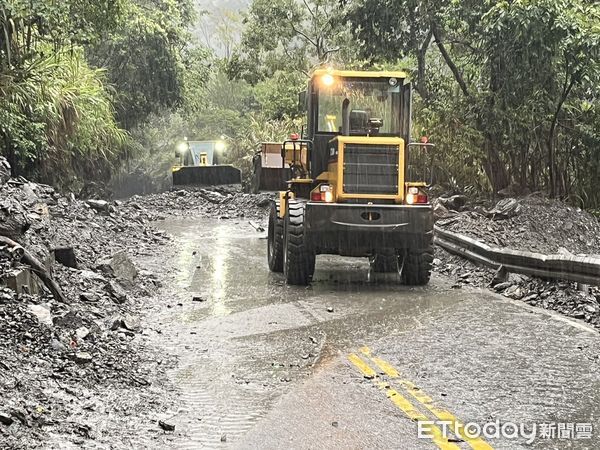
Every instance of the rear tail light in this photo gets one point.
(324, 193)
(416, 197)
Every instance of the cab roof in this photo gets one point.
(359, 74)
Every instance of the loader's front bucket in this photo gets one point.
(206, 176)
(269, 178)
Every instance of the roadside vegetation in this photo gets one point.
(508, 91)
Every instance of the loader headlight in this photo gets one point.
(182, 148)
(327, 80)
(220, 146)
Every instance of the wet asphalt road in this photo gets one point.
(355, 360)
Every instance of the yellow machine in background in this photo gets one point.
(199, 165)
(203, 159)
(348, 188)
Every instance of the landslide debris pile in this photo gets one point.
(532, 224)
(62, 356)
(222, 203)
(58, 359)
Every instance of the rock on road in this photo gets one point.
(355, 360)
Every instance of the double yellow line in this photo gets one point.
(408, 408)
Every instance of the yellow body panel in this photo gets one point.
(370, 140)
(359, 74)
(283, 196)
(335, 171)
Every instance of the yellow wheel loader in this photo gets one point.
(349, 191)
(198, 165)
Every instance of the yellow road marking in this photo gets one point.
(385, 367)
(388, 369)
(362, 366)
(365, 351)
(427, 401)
(403, 404)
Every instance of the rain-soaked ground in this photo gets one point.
(355, 360)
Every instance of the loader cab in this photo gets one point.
(355, 104)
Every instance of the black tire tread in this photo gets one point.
(299, 260)
(417, 267)
(276, 262)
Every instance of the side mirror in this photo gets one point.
(302, 106)
(421, 144)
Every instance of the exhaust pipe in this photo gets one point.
(346, 117)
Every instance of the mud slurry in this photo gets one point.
(264, 365)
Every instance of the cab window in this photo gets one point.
(368, 100)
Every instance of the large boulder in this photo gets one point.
(120, 266)
(439, 210)
(454, 203)
(505, 209)
(14, 220)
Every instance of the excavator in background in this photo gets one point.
(350, 189)
(198, 165)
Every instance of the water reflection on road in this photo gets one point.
(254, 349)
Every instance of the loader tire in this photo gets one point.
(384, 263)
(275, 239)
(416, 270)
(299, 259)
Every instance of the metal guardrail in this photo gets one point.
(582, 269)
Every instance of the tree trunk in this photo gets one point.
(448, 59)
(38, 268)
(494, 167)
(552, 167)
(421, 85)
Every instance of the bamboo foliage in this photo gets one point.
(56, 115)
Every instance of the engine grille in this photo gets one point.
(371, 170)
